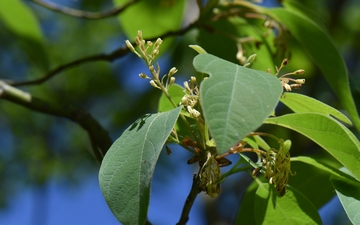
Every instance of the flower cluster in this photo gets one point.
(191, 97)
(277, 166)
(148, 52)
(285, 80)
(210, 176)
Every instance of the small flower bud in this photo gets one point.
(193, 112)
(287, 87)
(193, 79)
(130, 46)
(151, 68)
(158, 42)
(296, 86)
(186, 86)
(137, 41)
(184, 100)
(250, 60)
(285, 62)
(139, 34)
(298, 72)
(172, 80)
(154, 53)
(149, 43)
(152, 82)
(172, 71)
(286, 146)
(300, 81)
(143, 75)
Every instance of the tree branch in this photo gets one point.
(83, 14)
(99, 137)
(195, 190)
(98, 57)
(118, 53)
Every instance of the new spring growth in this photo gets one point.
(191, 97)
(277, 166)
(210, 176)
(285, 80)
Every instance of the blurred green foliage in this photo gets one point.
(35, 147)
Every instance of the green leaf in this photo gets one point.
(21, 21)
(293, 208)
(323, 166)
(348, 192)
(152, 17)
(235, 100)
(326, 132)
(176, 92)
(306, 9)
(322, 50)
(301, 104)
(127, 169)
(312, 181)
(245, 214)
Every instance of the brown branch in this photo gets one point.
(83, 14)
(99, 137)
(118, 53)
(98, 57)
(195, 190)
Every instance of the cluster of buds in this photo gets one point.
(148, 52)
(191, 97)
(210, 176)
(145, 52)
(285, 80)
(276, 164)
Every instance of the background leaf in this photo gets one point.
(153, 18)
(348, 192)
(292, 208)
(302, 104)
(26, 28)
(235, 100)
(320, 47)
(176, 92)
(326, 132)
(126, 171)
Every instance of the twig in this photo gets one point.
(195, 190)
(98, 57)
(99, 137)
(118, 53)
(83, 14)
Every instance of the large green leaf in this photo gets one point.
(312, 182)
(293, 208)
(324, 167)
(322, 50)
(301, 104)
(20, 19)
(235, 100)
(326, 132)
(348, 192)
(307, 9)
(245, 214)
(127, 169)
